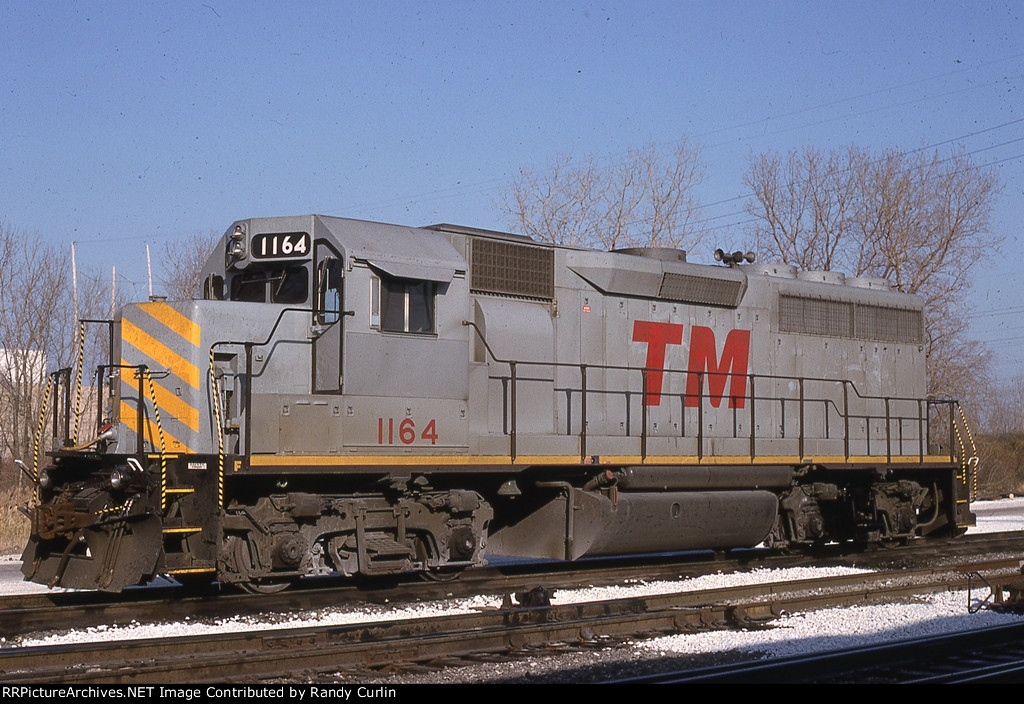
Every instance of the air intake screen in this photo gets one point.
(511, 269)
(700, 289)
(896, 324)
(814, 316)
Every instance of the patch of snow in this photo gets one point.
(792, 634)
(832, 629)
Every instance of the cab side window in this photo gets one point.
(403, 305)
(213, 288)
(328, 291)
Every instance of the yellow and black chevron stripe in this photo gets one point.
(164, 339)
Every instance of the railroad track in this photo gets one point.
(507, 631)
(26, 614)
(989, 655)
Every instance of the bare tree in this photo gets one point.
(645, 200)
(1001, 446)
(34, 297)
(918, 219)
(39, 334)
(806, 205)
(1003, 408)
(183, 262)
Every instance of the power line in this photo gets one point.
(482, 186)
(737, 213)
(997, 311)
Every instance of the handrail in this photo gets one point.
(886, 404)
(142, 372)
(248, 345)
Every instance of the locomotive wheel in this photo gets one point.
(241, 551)
(436, 575)
(263, 587)
(424, 548)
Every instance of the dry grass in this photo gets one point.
(1001, 467)
(13, 524)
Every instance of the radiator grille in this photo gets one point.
(815, 316)
(512, 269)
(896, 324)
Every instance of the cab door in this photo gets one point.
(328, 320)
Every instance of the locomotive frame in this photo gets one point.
(368, 399)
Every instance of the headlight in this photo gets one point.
(45, 480)
(118, 478)
(124, 476)
(234, 251)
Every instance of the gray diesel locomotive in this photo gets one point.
(367, 399)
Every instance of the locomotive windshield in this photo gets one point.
(278, 285)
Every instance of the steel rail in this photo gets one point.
(31, 613)
(992, 654)
(282, 652)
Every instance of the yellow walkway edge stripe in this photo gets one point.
(193, 570)
(455, 460)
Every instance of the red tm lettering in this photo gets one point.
(704, 362)
(658, 336)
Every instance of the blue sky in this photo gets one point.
(127, 123)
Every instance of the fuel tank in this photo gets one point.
(580, 523)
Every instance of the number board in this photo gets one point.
(280, 245)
